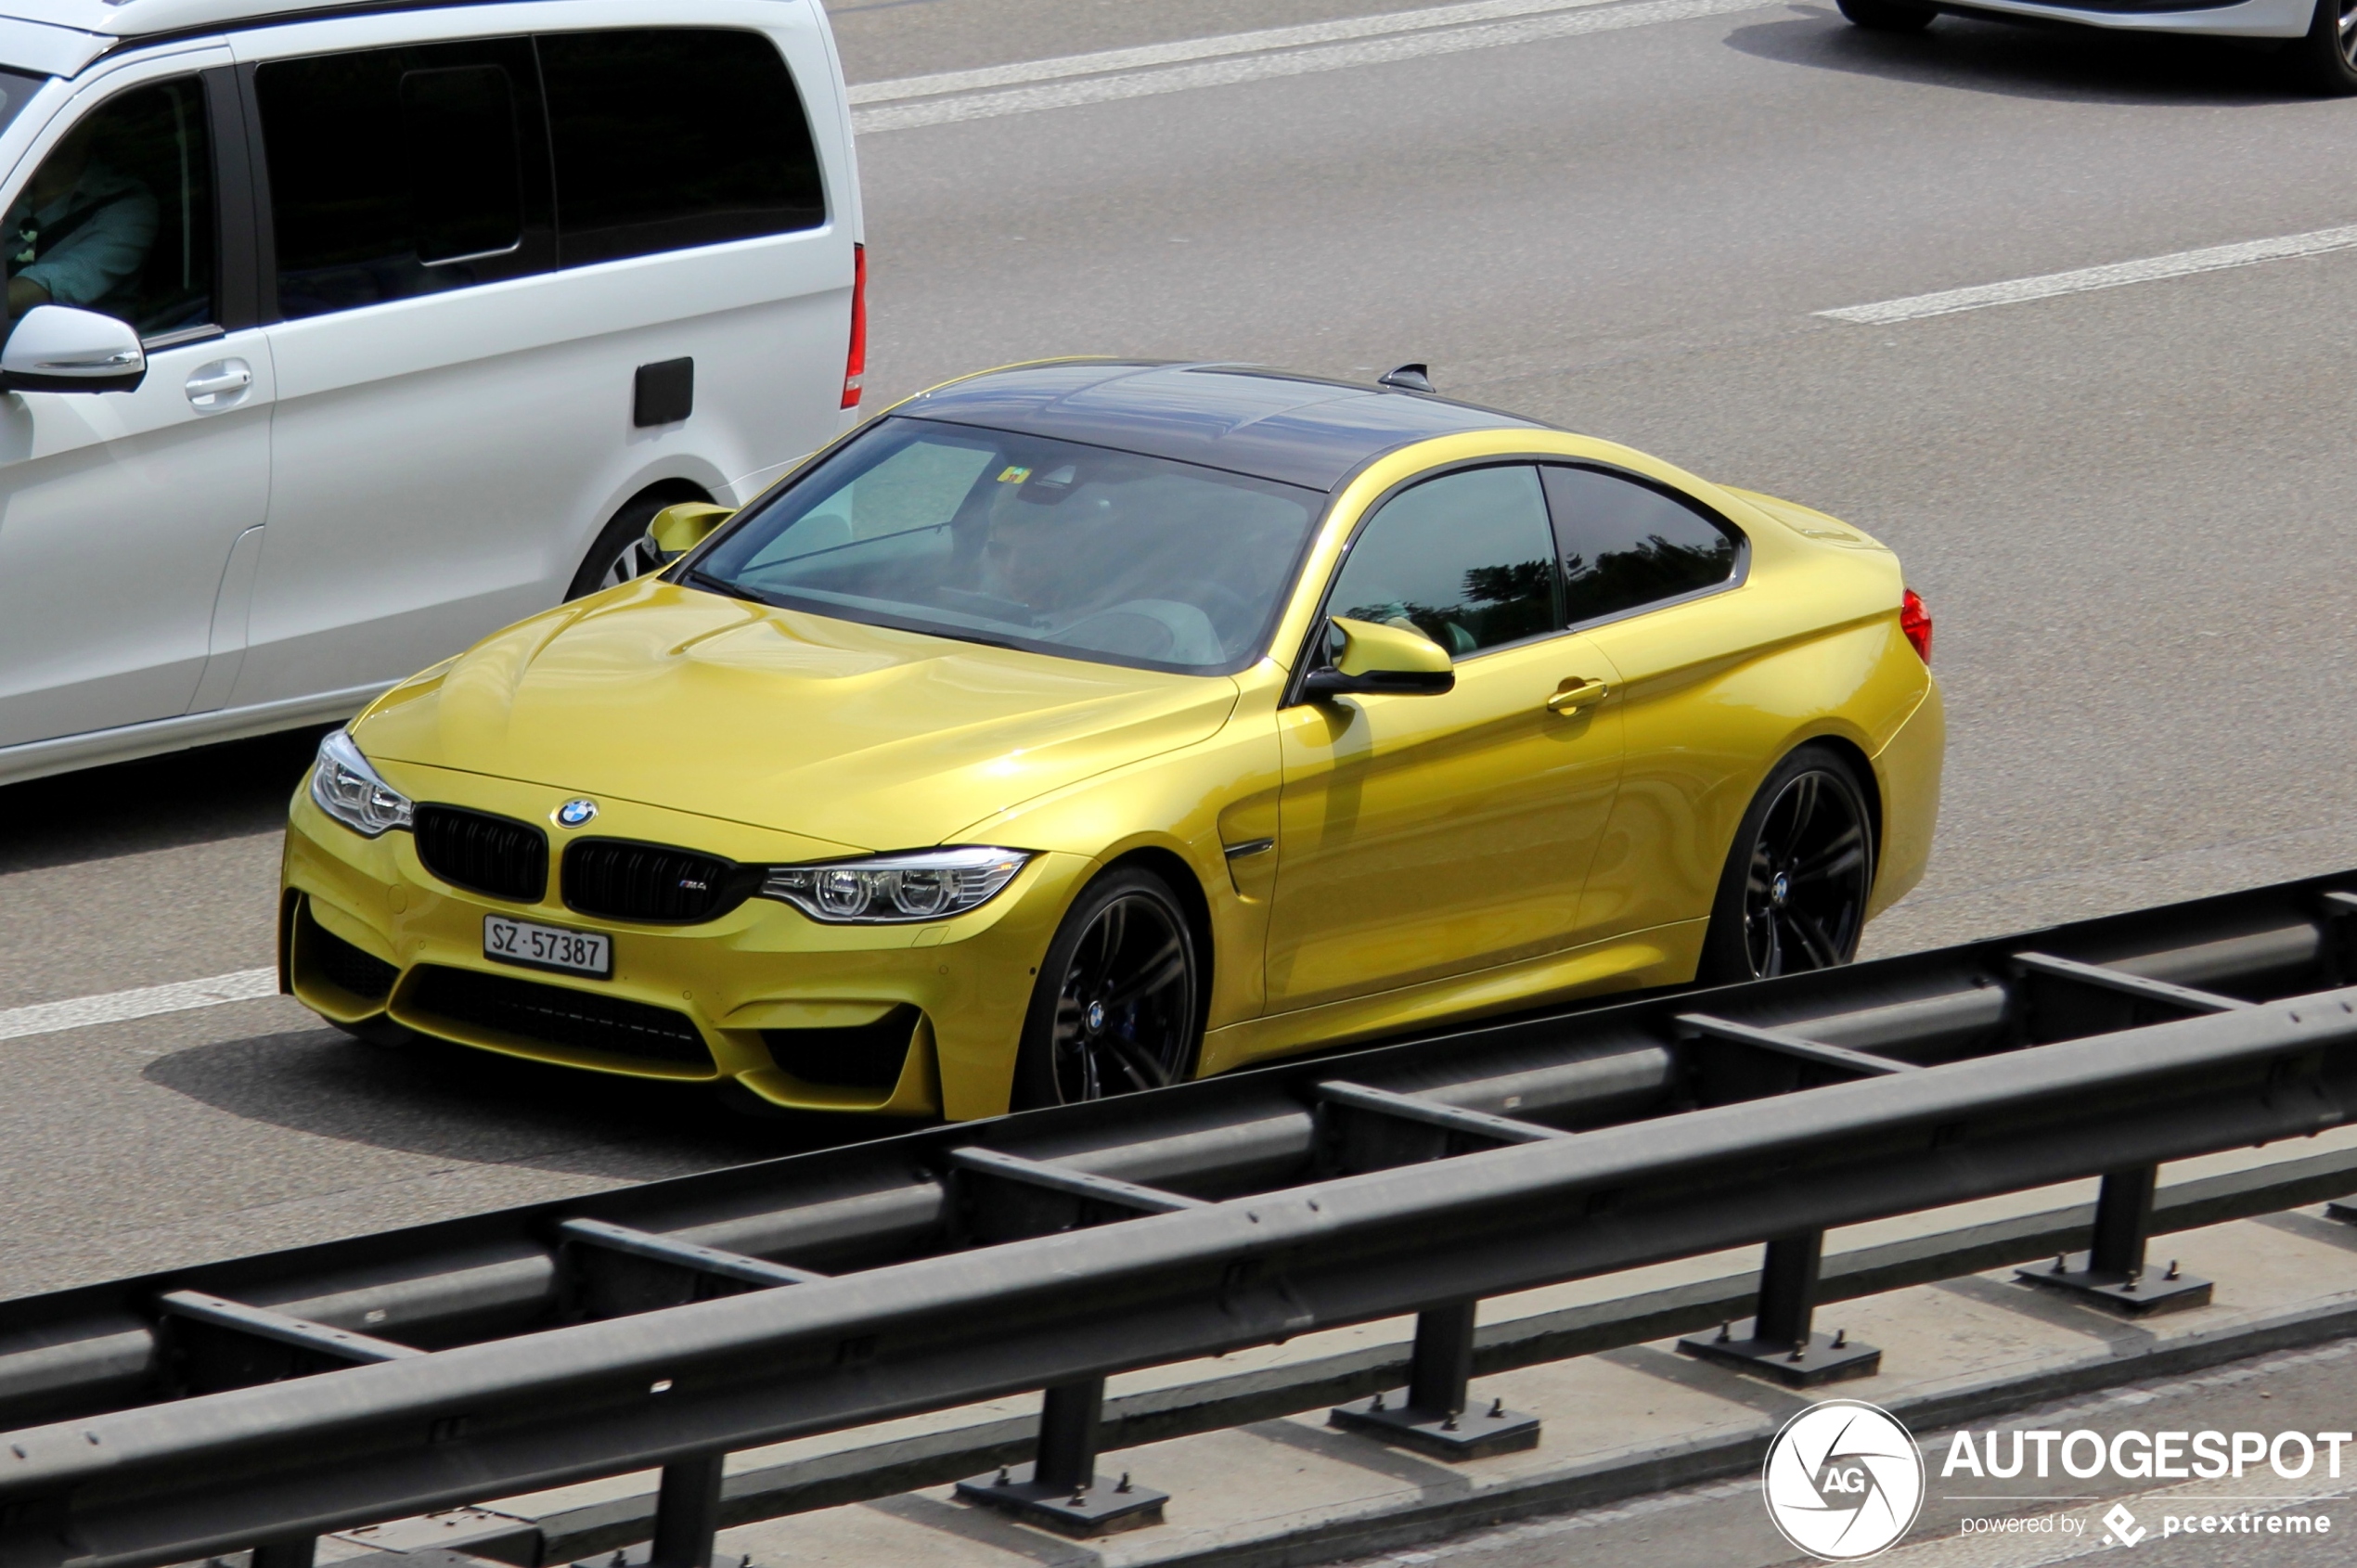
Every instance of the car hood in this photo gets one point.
(871, 738)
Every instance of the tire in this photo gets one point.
(1118, 1005)
(622, 550)
(1793, 895)
(2326, 59)
(1890, 16)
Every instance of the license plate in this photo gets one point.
(547, 947)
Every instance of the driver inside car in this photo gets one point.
(81, 231)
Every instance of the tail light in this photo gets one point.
(855, 364)
(1915, 622)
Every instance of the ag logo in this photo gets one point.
(1843, 1480)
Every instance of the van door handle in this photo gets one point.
(1575, 694)
(219, 384)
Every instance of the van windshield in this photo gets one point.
(1027, 542)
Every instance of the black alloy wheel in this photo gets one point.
(2327, 56)
(1794, 894)
(1115, 1008)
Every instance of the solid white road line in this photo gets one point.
(1249, 56)
(2180, 264)
(115, 1007)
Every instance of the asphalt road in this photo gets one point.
(2125, 506)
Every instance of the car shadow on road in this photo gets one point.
(445, 1103)
(2058, 61)
(211, 792)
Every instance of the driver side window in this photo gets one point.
(1466, 558)
(119, 217)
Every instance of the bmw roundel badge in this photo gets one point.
(574, 812)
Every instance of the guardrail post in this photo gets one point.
(1429, 1415)
(2111, 1273)
(1064, 1493)
(1783, 1343)
(686, 1513)
(296, 1552)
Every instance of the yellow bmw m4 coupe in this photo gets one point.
(1084, 726)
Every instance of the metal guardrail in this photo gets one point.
(269, 1399)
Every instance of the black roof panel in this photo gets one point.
(1293, 429)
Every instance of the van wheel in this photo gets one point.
(1891, 15)
(2327, 56)
(1117, 1005)
(622, 550)
(1793, 895)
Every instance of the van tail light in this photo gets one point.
(855, 364)
(1915, 622)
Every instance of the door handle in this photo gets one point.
(1575, 694)
(219, 384)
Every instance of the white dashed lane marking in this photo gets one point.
(146, 1001)
(2152, 269)
(1071, 79)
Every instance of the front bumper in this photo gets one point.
(893, 1020)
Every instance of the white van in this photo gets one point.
(341, 335)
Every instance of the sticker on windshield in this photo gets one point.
(1012, 474)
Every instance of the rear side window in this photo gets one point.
(395, 173)
(669, 137)
(1625, 545)
(1463, 558)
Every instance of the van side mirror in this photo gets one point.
(676, 530)
(1382, 659)
(57, 348)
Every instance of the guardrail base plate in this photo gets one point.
(1104, 1509)
(1825, 1358)
(2143, 1296)
(1473, 1435)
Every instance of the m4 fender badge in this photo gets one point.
(575, 812)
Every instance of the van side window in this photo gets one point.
(119, 217)
(669, 137)
(395, 173)
(1623, 545)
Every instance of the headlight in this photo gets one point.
(930, 884)
(348, 790)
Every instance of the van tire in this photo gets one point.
(2324, 57)
(622, 550)
(1893, 16)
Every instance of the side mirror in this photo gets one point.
(57, 347)
(1382, 659)
(676, 530)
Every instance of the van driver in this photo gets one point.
(79, 232)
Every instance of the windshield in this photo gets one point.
(1030, 543)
